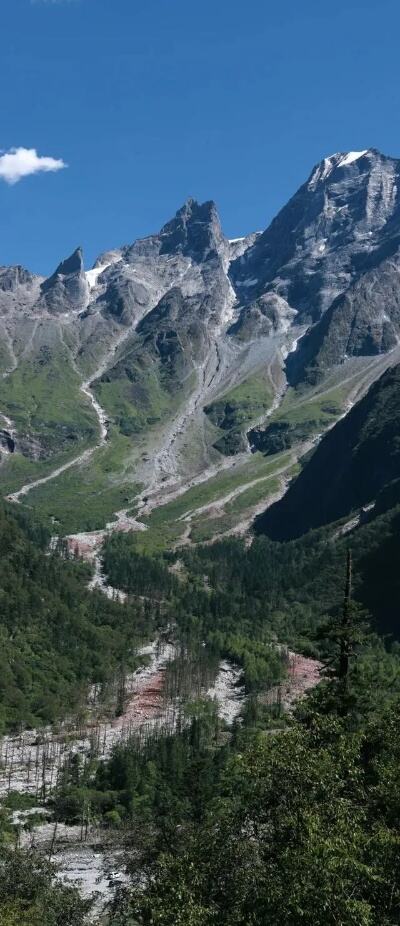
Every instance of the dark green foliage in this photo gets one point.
(230, 416)
(29, 895)
(291, 586)
(55, 636)
(304, 831)
(261, 662)
(378, 550)
(233, 441)
(139, 574)
(240, 600)
(256, 826)
(160, 781)
(281, 435)
(235, 411)
(301, 828)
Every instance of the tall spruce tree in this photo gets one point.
(347, 633)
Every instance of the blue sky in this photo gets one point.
(150, 101)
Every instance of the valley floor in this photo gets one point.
(31, 763)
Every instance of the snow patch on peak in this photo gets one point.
(238, 246)
(101, 265)
(325, 168)
(351, 157)
(93, 275)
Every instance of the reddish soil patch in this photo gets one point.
(303, 675)
(145, 704)
(85, 546)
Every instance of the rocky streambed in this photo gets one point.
(31, 762)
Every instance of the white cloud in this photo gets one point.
(22, 162)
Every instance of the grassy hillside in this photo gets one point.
(43, 400)
(233, 412)
(356, 460)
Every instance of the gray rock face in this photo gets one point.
(125, 298)
(67, 290)
(342, 225)
(238, 246)
(173, 287)
(265, 316)
(195, 231)
(364, 321)
(13, 278)
(190, 253)
(7, 441)
(308, 253)
(18, 288)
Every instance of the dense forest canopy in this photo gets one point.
(56, 637)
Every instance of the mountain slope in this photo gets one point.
(356, 461)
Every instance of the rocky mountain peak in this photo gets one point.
(11, 278)
(72, 264)
(309, 252)
(170, 326)
(195, 231)
(340, 160)
(362, 185)
(67, 289)
(18, 288)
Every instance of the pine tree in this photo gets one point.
(348, 632)
(345, 638)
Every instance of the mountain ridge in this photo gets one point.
(184, 342)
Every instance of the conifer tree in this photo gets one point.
(348, 632)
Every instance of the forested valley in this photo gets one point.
(276, 817)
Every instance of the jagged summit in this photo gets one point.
(195, 229)
(67, 289)
(357, 160)
(18, 288)
(72, 264)
(13, 277)
(334, 161)
(312, 250)
(68, 267)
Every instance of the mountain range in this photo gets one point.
(190, 373)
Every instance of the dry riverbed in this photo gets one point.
(31, 762)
